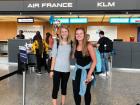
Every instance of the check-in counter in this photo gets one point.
(126, 55)
(3, 47)
(13, 48)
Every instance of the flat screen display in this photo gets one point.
(25, 20)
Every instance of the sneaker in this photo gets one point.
(102, 74)
(108, 73)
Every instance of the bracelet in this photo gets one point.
(51, 70)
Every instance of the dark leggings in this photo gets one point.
(44, 63)
(76, 89)
(57, 78)
(39, 61)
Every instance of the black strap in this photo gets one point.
(8, 75)
(57, 40)
(71, 43)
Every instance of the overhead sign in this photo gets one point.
(63, 20)
(72, 20)
(68, 5)
(124, 20)
(78, 20)
(134, 20)
(25, 20)
(106, 4)
(119, 20)
(50, 5)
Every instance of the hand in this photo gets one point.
(89, 79)
(51, 74)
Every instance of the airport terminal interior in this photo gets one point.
(120, 87)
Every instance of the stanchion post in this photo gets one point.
(24, 86)
(24, 60)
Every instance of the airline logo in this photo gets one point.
(50, 5)
(106, 4)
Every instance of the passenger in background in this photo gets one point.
(105, 46)
(40, 48)
(49, 40)
(20, 35)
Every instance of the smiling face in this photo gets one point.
(79, 35)
(81, 40)
(64, 33)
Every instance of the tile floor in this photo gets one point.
(121, 88)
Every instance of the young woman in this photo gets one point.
(49, 40)
(85, 64)
(60, 67)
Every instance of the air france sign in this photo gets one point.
(50, 5)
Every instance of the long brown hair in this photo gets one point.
(38, 38)
(84, 44)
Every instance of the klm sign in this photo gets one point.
(106, 4)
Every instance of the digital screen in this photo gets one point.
(119, 20)
(78, 20)
(25, 20)
(63, 20)
(134, 20)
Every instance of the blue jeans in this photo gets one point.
(104, 57)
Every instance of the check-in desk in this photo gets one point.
(13, 48)
(126, 55)
(3, 47)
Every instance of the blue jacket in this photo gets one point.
(83, 86)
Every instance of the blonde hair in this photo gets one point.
(84, 44)
(69, 38)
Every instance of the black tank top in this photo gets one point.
(82, 60)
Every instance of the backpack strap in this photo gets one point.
(57, 40)
(71, 43)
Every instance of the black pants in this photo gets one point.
(60, 77)
(76, 89)
(44, 63)
(39, 62)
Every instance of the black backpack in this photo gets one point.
(107, 45)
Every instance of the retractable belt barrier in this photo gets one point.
(24, 59)
(8, 75)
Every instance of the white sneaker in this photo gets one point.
(102, 74)
(108, 73)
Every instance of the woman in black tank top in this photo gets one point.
(82, 60)
(85, 64)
